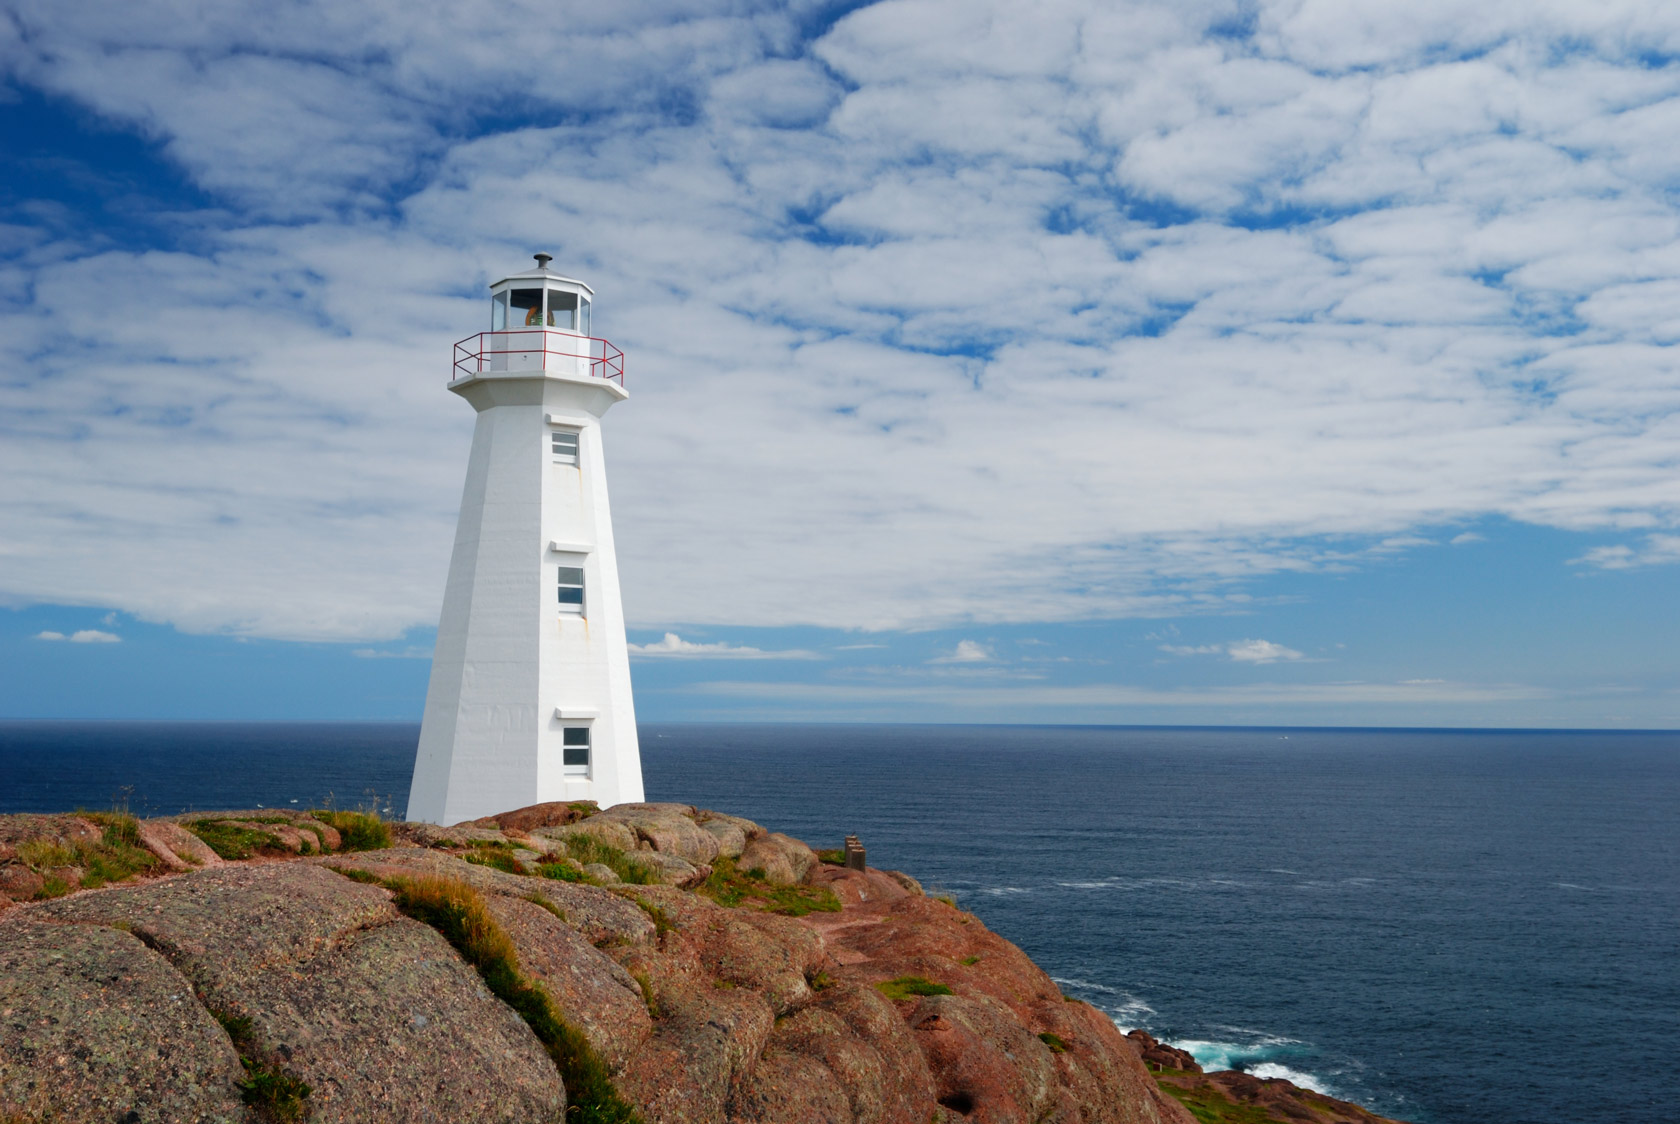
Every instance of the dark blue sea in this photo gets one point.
(1448, 927)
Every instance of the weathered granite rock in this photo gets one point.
(703, 1013)
(19, 883)
(96, 1026)
(1158, 1055)
(554, 813)
(667, 828)
(592, 990)
(600, 915)
(731, 836)
(374, 1011)
(179, 848)
(431, 835)
(671, 870)
(614, 833)
(1277, 1099)
(60, 829)
(987, 1066)
(784, 860)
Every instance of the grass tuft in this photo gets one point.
(1056, 1043)
(649, 997)
(908, 987)
(457, 912)
(662, 922)
(367, 877)
(493, 856)
(539, 900)
(1209, 1105)
(277, 1096)
(116, 857)
(588, 849)
(357, 831)
(562, 872)
(235, 843)
(729, 886)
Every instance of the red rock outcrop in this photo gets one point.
(775, 988)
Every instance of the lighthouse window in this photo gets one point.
(564, 442)
(574, 750)
(562, 310)
(527, 308)
(571, 589)
(499, 312)
(583, 316)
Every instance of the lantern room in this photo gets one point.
(540, 299)
(539, 322)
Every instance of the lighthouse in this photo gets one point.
(529, 699)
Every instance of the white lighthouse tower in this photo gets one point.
(529, 699)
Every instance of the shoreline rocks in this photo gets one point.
(707, 971)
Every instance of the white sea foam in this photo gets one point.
(1304, 1080)
(999, 891)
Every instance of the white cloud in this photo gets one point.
(1658, 550)
(1193, 649)
(82, 636)
(1239, 651)
(1466, 537)
(672, 645)
(1261, 651)
(995, 696)
(962, 312)
(410, 653)
(966, 651)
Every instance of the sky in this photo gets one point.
(1308, 362)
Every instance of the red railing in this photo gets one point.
(476, 354)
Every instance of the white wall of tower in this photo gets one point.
(511, 669)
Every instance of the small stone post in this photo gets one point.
(854, 853)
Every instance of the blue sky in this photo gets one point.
(1300, 363)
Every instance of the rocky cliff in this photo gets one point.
(650, 962)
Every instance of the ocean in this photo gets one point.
(1449, 927)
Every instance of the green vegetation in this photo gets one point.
(116, 857)
(457, 912)
(906, 987)
(539, 900)
(1211, 1106)
(276, 1094)
(52, 886)
(729, 886)
(357, 831)
(497, 856)
(969, 961)
(356, 875)
(821, 981)
(562, 872)
(832, 858)
(232, 842)
(1055, 1042)
(588, 849)
(655, 1012)
(662, 922)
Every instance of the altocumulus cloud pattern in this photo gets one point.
(950, 310)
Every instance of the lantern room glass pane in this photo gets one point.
(562, 310)
(499, 312)
(583, 316)
(527, 308)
